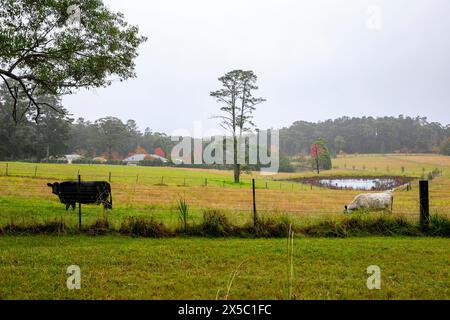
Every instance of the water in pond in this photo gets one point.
(360, 184)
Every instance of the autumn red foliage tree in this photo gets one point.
(160, 152)
(316, 152)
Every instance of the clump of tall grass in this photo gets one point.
(215, 223)
(144, 227)
(98, 227)
(272, 227)
(439, 226)
(183, 213)
(361, 225)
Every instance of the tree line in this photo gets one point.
(57, 134)
(400, 134)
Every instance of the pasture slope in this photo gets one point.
(193, 268)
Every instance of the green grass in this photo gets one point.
(34, 267)
(164, 176)
(116, 266)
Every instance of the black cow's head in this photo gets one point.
(55, 187)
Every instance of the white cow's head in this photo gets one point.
(348, 209)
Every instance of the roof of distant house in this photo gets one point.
(140, 157)
(135, 157)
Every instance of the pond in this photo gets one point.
(359, 184)
(356, 183)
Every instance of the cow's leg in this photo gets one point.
(73, 206)
(67, 206)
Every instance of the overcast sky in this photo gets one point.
(315, 60)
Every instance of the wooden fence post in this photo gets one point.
(35, 171)
(206, 182)
(6, 173)
(109, 178)
(79, 202)
(424, 205)
(254, 204)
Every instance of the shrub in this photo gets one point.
(272, 227)
(327, 228)
(439, 226)
(215, 223)
(362, 226)
(48, 227)
(151, 163)
(143, 227)
(99, 227)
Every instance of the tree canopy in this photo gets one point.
(320, 156)
(44, 51)
(366, 135)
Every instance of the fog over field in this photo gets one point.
(315, 60)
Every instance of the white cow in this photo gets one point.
(372, 201)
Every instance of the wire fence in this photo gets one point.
(24, 192)
(143, 178)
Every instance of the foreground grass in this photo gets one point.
(34, 267)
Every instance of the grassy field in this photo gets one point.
(197, 268)
(153, 192)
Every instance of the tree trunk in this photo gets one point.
(236, 166)
(318, 165)
(109, 152)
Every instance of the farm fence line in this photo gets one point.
(141, 193)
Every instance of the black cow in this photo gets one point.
(91, 192)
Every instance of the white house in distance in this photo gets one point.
(71, 157)
(134, 159)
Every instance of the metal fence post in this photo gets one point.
(254, 203)
(424, 205)
(79, 202)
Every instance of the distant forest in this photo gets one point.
(56, 134)
(368, 135)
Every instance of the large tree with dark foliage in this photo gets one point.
(445, 146)
(26, 139)
(54, 47)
